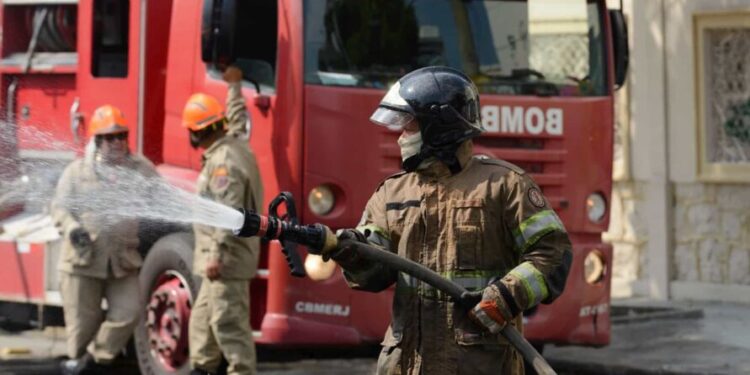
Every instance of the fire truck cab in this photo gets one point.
(314, 71)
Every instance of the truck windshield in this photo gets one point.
(538, 47)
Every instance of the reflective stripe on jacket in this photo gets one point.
(487, 223)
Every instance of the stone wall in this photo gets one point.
(711, 233)
(628, 234)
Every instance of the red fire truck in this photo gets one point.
(314, 72)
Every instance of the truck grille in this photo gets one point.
(543, 159)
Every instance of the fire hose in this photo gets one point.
(319, 239)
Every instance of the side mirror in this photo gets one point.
(255, 70)
(217, 32)
(620, 44)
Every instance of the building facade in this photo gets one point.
(680, 210)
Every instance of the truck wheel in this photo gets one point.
(169, 287)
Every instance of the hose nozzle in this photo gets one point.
(316, 237)
(254, 225)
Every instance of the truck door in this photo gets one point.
(109, 69)
(256, 56)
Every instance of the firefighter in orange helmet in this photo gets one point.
(99, 256)
(219, 321)
(109, 132)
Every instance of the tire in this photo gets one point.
(170, 258)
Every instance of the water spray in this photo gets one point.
(129, 195)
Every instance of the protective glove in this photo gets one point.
(213, 268)
(80, 238)
(492, 312)
(232, 74)
(344, 254)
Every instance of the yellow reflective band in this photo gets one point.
(533, 228)
(377, 236)
(532, 281)
(374, 229)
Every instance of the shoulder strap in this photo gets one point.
(395, 175)
(502, 163)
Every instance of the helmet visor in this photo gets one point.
(390, 118)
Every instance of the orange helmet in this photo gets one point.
(107, 119)
(201, 111)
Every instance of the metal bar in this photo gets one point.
(47, 155)
(9, 131)
(531, 155)
(549, 179)
(39, 15)
(11, 102)
(141, 74)
(22, 273)
(75, 119)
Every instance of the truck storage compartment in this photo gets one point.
(55, 44)
(42, 109)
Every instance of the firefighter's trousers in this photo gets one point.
(220, 324)
(84, 320)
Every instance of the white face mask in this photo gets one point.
(410, 145)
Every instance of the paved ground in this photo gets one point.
(37, 352)
(677, 341)
(718, 343)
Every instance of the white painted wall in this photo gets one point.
(680, 78)
(649, 138)
(674, 236)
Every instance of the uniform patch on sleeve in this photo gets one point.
(220, 178)
(535, 197)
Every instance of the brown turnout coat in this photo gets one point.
(488, 223)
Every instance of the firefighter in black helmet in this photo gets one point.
(481, 222)
(445, 105)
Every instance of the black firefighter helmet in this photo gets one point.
(444, 102)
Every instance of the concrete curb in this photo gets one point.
(590, 368)
(627, 314)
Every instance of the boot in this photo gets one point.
(68, 366)
(86, 365)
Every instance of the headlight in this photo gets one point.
(596, 207)
(321, 200)
(594, 267)
(317, 269)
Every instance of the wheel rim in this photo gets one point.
(168, 313)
